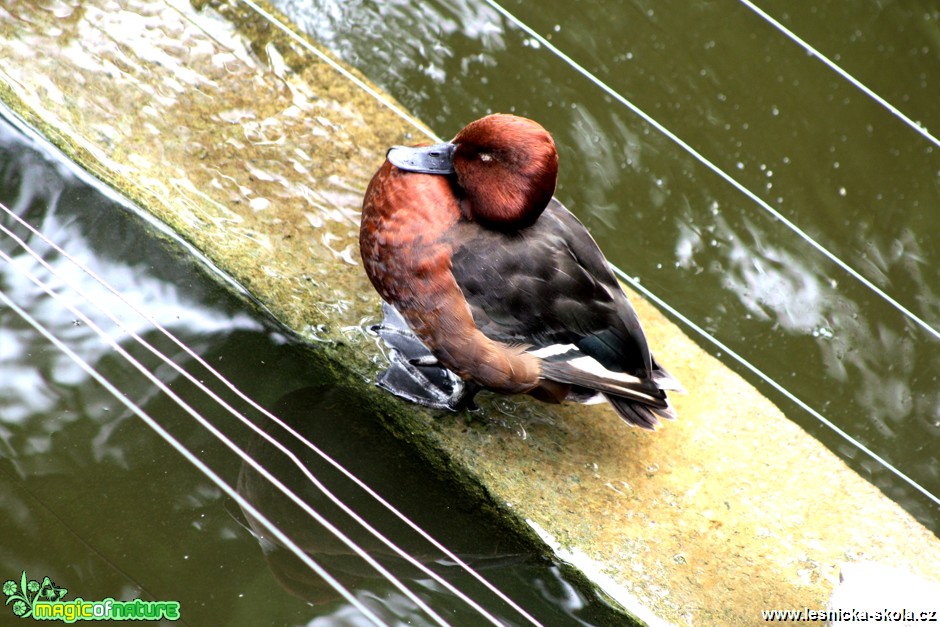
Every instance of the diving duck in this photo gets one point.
(490, 283)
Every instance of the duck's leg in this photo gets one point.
(465, 399)
(414, 373)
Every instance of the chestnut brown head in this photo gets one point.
(506, 168)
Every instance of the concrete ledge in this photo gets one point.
(258, 155)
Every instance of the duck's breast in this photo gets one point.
(404, 217)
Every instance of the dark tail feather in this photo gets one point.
(665, 381)
(640, 402)
(638, 414)
(642, 391)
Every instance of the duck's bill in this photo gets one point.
(436, 159)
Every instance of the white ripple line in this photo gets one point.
(231, 445)
(714, 168)
(917, 126)
(195, 461)
(773, 383)
(322, 454)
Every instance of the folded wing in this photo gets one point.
(549, 287)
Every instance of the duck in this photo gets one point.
(489, 283)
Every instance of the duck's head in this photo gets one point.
(505, 166)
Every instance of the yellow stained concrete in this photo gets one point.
(258, 154)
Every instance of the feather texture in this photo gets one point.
(545, 287)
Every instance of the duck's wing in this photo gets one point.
(549, 287)
(549, 284)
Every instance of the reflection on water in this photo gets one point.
(99, 503)
(777, 120)
(400, 478)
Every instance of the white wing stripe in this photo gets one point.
(594, 367)
(554, 349)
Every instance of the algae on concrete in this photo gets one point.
(257, 153)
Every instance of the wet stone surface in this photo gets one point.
(258, 154)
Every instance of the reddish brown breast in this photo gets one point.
(404, 218)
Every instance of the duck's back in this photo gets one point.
(548, 284)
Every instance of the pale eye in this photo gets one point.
(485, 156)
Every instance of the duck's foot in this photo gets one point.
(414, 374)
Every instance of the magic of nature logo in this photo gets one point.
(43, 600)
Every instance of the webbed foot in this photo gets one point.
(414, 374)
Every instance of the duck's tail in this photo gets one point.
(640, 414)
(640, 401)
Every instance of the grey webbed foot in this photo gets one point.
(414, 374)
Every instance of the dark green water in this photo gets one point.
(93, 498)
(841, 167)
